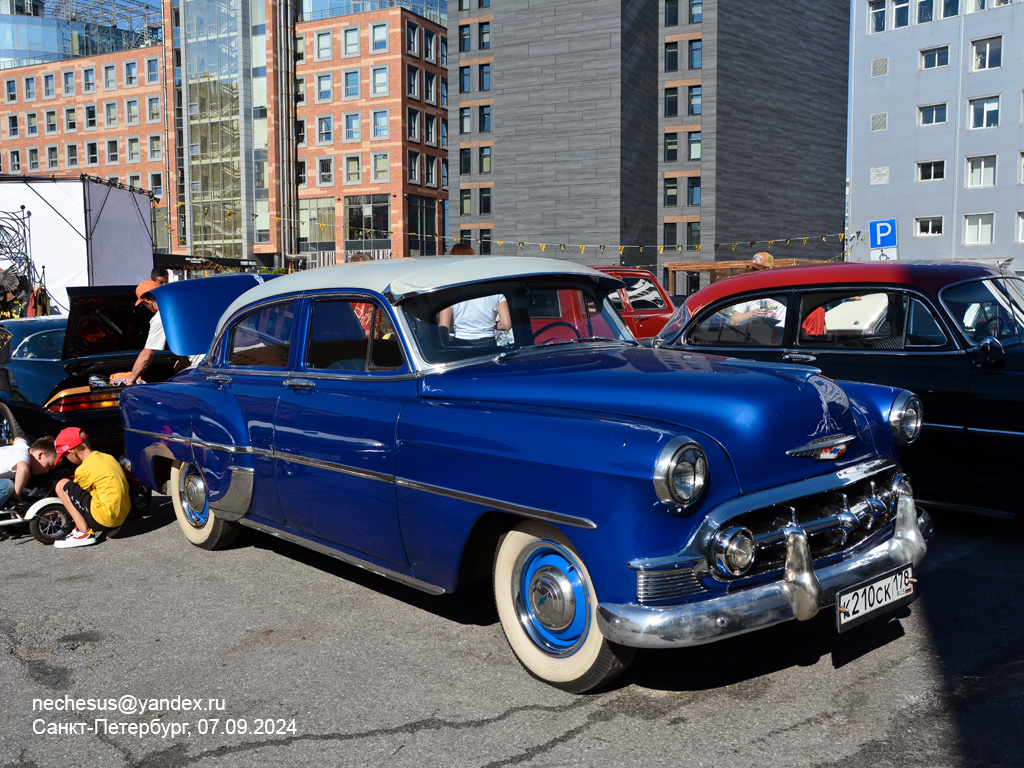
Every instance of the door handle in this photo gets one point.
(298, 384)
(219, 379)
(795, 357)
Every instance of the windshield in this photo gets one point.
(985, 308)
(485, 319)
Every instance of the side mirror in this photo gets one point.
(989, 351)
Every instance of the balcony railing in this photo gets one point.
(428, 9)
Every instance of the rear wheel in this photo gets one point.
(195, 518)
(9, 428)
(548, 611)
(52, 522)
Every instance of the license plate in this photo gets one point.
(871, 598)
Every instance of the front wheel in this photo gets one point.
(195, 518)
(548, 611)
(50, 523)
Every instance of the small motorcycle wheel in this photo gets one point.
(51, 523)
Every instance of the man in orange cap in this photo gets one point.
(156, 341)
(97, 498)
(762, 260)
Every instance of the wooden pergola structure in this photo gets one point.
(719, 270)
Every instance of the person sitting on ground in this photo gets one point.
(97, 498)
(19, 461)
(478, 320)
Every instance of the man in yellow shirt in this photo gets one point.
(97, 498)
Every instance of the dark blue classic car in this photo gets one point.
(619, 497)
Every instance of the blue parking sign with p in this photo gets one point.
(882, 233)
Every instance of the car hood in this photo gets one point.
(103, 320)
(755, 411)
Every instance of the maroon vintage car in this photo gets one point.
(643, 303)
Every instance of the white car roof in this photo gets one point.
(400, 278)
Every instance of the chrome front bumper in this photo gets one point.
(799, 594)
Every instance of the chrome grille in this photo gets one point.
(656, 586)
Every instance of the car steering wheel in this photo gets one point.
(555, 324)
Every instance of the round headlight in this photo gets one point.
(732, 551)
(906, 418)
(681, 472)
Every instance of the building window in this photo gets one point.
(324, 171)
(464, 38)
(52, 159)
(984, 112)
(671, 102)
(933, 114)
(465, 120)
(412, 124)
(928, 226)
(693, 100)
(155, 147)
(671, 57)
(49, 86)
(14, 161)
(12, 126)
(876, 16)
(110, 115)
(300, 173)
(671, 192)
(51, 121)
(350, 41)
(381, 166)
(671, 147)
(988, 53)
(300, 131)
(950, 8)
(693, 190)
(981, 171)
(485, 200)
(352, 126)
(444, 92)
(925, 11)
(131, 74)
(692, 235)
(353, 169)
(430, 87)
(156, 184)
(414, 167)
(109, 77)
(935, 57)
(978, 228)
(444, 173)
(90, 116)
(323, 46)
(32, 124)
(933, 170)
(671, 13)
(429, 45)
(134, 149)
(11, 91)
(696, 11)
(670, 234)
(300, 90)
(484, 77)
(324, 129)
(1020, 226)
(484, 120)
(30, 89)
(112, 151)
(412, 38)
(33, 159)
(379, 36)
(430, 170)
(131, 112)
(380, 124)
(92, 153)
(380, 81)
(323, 88)
(695, 54)
(484, 36)
(900, 13)
(153, 109)
(693, 146)
(464, 79)
(466, 202)
(430, 129)
(88, 81)
(444, 132)
(71, 155)
(412, 82)
(485, 242)
(465, 161)
(152, 71)
(485, 160)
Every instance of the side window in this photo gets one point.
(643, 294)
(615, 297)
(982, 309)
(42, 346)
(262, 339)
(923, 330)
(757, 322)
(853, 319)
(352, 336)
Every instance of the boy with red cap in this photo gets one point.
(97, 498)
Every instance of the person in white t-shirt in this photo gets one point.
(476, 320)
(19, 460)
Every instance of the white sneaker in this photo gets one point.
(76, 538)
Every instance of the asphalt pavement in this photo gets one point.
(148, 652)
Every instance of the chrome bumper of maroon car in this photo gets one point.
(799, 594)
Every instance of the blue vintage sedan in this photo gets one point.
(619, 497)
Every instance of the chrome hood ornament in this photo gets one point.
(824, 448)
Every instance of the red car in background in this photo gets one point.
(643, 303)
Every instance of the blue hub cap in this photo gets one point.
(192, 494)
(551, 598)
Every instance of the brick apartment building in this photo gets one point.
(265, 136)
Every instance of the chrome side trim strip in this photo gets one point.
(331, 466)
(516, 509)
(159, 436)
(996, 432)
(323, 549)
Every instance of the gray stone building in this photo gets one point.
(937, 130)
(667, 125)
